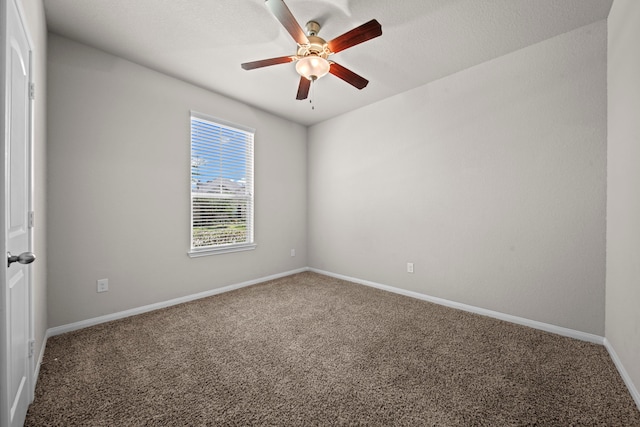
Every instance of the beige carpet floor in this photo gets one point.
(311, 350)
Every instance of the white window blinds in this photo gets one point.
(221, 186)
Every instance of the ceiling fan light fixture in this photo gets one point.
(312, 67)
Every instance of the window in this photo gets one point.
(221, 186)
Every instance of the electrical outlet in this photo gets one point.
(409, 267)
(103, 285)
(293, 252)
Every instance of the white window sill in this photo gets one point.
(224, 250)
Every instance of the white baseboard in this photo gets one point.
(36, 371)
(139, 310)
(623, 373)
(572, 333)
(36, 368)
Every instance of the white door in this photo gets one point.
(15, 308)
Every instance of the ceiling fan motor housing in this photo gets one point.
(317, 46)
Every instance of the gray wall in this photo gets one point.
(119, 183)
(492, 181)
(623, 189)
(37, 29)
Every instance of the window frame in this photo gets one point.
(250, 220)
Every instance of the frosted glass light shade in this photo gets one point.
(312, 67)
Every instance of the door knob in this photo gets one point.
(23, 258)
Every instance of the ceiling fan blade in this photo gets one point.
(303, 88)
(361, 34)
(286, 18)
(348, 76)
(267, 62)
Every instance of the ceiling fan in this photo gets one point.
(313, 52)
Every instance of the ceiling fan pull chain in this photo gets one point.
(313, 93)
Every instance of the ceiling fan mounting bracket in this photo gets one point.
(313, 28)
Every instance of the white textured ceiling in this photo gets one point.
(205, 41)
